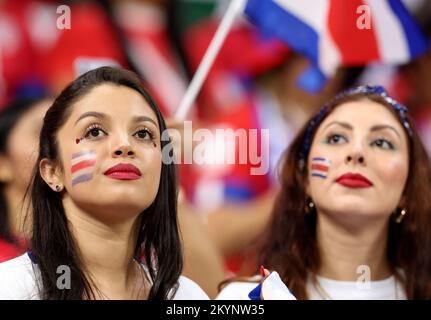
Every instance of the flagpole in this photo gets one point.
(235, 8)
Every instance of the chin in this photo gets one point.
(127, 201)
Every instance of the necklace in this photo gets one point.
(326, 296)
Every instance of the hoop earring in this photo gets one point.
(399, 215)
(309, 206)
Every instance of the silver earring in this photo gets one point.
(309, 206)
(57, 188)
(399, 215)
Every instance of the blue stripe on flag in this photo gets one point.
(319, 159)
(318, 175)
(276, 20)
(416, 40)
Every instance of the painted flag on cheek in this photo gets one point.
(82, 166)
(320, 167)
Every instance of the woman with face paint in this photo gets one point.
(20, 123)
(104, 202)
(353, 217)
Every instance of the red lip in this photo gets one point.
(123, 171)
(354, 180)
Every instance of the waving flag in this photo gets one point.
(339, 32)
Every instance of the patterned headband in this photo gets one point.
(365, 90)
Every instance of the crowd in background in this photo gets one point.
(253, 84)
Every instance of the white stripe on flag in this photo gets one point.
(329, 56)
(317, 18)
(312, 12)
(390, 36)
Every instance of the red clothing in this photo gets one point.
(8, 251)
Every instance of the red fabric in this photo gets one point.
(90, 36)
(244, 54)
(245, 51)
(159, 81)
(8, 251)
(342, 26)
(17, 52)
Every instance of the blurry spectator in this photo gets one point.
(20, 123)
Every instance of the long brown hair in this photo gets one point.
(289, 244)
(52, 241)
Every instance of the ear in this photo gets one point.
(51, 173)
(6, 174)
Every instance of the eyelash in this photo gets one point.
(387, 141)
(331, 136)
(98, 127)
(92, 127)
(384, 140)
(148, 132)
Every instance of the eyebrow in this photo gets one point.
(343, 124)
(373, 128)
(143, 119)
(385, 126)
(104, 116)
(91, 114)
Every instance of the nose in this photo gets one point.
(122, 148)
(123, 151)
(356, 157)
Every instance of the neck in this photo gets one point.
(107, 250)
(343, 249)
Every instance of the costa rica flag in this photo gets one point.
(332, 33)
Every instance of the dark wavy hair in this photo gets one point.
(158, 240)
(290, 246)
(9, 118)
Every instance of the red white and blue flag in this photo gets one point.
(320, 167)
(82, 166)
(331, 32)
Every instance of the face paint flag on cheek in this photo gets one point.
(320, 167)
(82, 166)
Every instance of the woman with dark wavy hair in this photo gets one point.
(353, 217)
(103, 201)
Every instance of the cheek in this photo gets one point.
(392, 172)
(154, 165)
(80, 166)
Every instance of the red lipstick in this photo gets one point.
(123, 171)
(354, 180)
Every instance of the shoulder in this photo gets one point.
(17, 279)
(189, 290)
(237, 290)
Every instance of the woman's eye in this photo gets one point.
(94, 133)
(383, 143)
(144, 134)
(335, 139)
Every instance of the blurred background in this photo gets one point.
(257, 82)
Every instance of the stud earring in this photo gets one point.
(309, 206)
(399, 215)
(57, 188)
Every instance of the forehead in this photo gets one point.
(117, 101)
(364, 114)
